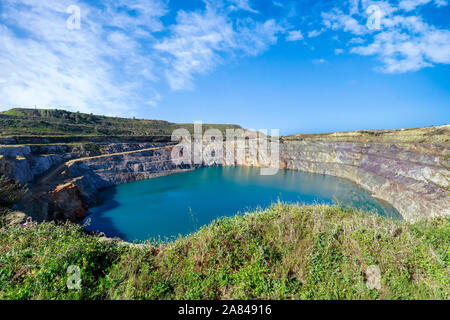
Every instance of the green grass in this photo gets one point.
(42, 122)
(284, 252)
(416, 136)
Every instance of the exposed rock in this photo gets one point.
(12, 152)
(68, 202)
(412, 177)
(409, 177)
(26, 163)
(16, 168)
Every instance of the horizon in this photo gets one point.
(213, 152)
(204, 123)
(299, 66)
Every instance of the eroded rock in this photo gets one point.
(68, 202)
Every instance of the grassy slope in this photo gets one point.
(317, 252)
(285, 252)
(437, 134)
(40, 122)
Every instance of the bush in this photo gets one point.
(10, 192)
(284, 252)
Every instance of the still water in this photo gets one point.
(181, 203)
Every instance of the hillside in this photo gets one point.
(285, 252)
(436, 134)
(76, 127)
(42, 122)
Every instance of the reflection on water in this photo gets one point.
(181, 203)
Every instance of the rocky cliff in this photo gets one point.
(412, 176)
(25, 163)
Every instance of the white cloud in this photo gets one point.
(191, 49)
(336, 20)
(315, 33)
(410, 5)
(277, 4)
(404, 43)
(319, 61)
(338, 51)
(295, 35)
(200, 40)
(118, 58)
(440, 3)
(354, 6)
(357, 40)
(113, 64)
(53, 66)
(242, 5)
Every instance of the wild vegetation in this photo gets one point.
(10, 194)
(284, 252)
(434, 134)
(42, 122)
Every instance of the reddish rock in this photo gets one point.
(68, 201)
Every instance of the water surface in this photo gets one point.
(181, 203)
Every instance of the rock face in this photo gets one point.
(101, 172)
(68, 202)
(412, 177)
(112, 170)
(66, 194)
(24, 164)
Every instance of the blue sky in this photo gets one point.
(298, 66)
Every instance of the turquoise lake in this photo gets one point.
(181, 203)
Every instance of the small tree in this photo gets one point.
(10, 192)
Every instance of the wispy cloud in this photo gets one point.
(404, 42)
(44, 63)
(295, 35)
(201, 40)
(128, 51)
(242, 5)
(319, 61)
(113, 63)
(337, 20)
(315, 33)
(410, 5)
